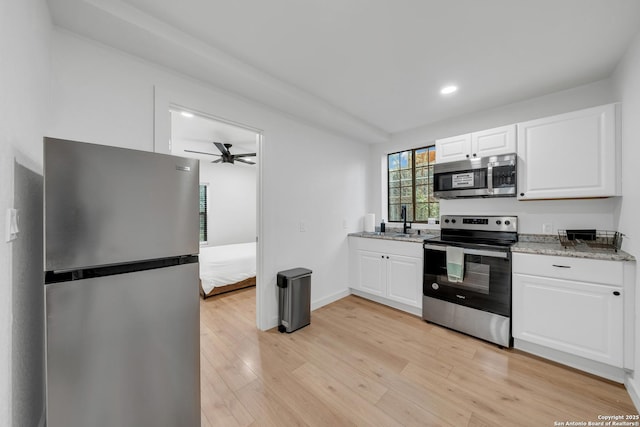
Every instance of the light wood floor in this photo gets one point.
(361, 363)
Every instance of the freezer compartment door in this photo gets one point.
(107, 205)
(124, 350)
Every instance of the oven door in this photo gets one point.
(487, 279)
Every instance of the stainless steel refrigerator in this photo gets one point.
(121, 287)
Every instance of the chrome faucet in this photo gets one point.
(403, 215)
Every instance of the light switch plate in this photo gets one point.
(11, 225)
(547, 228)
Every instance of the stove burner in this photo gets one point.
(478, 230)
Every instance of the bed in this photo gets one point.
(227, 268)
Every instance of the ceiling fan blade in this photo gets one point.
(245, 155)
(217, 161)
(249, 162)
(222, 148)
(201, 152)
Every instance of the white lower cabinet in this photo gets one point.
(372, 272)
(569, 305)
(387, 271)
(580, 318)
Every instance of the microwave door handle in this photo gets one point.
(490, 178)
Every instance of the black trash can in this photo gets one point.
(294, 299)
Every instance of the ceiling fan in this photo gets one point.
(226, 156)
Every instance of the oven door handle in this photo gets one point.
(468, 251)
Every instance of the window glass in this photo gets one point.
(410, 184)
(203, 213)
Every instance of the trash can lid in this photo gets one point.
(294, 273)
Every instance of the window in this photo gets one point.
(410, 183)
(203, 212)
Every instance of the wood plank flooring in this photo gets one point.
(361, 363)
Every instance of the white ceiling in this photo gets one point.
(369, 68)
(198, 133)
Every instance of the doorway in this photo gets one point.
(229, 155)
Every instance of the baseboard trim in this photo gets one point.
(316, 305)
(632, 389)
(609, 372)
(417, 311)
(329, 299)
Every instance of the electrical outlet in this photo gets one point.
(303, 226)
(547, 228)
(344, 224)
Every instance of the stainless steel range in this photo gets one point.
(478, 303)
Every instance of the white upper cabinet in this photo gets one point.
(453, 148)
(489, 142)
(573, 155)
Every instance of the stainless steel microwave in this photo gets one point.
(493, 176)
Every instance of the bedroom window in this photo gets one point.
(410, 183)
(203, 212)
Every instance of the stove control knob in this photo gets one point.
(435, 286)
(507, 222)
(447, 221)
(453, 221)
(498, 222)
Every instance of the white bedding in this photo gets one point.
(224, 265)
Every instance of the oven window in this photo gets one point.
(486, 285)
(476, 278)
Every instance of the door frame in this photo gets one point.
(200, 103)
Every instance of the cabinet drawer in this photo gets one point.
(387, 247)
(578, 269)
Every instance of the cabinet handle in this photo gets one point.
(616, 293)
(521, 194)
(387, 257)
(467, 156)
(561, 266)
(474, 154)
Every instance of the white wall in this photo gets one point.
(532, 214)
(627, 84)
(104, 96)
(232, 202)
(24, 94)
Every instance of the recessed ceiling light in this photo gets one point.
(447, 90)
(186, 114)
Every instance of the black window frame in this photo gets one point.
(432, 203)
(203, 212)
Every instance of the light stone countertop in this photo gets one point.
(397, 235)
(527, 244)
(541, 245)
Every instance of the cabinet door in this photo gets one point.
(404, 278)
(372, 272)
(453, 148)
(569, 156)
(490, 142)
(578, 318)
